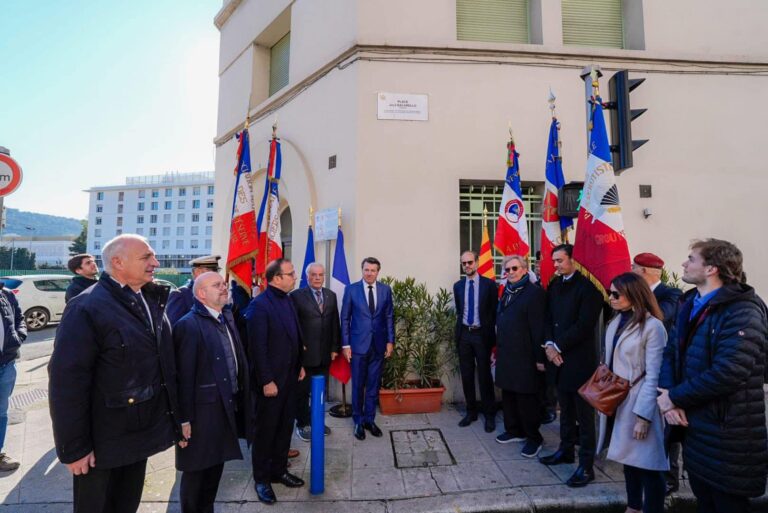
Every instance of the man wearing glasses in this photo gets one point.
(476, 298)
(274, 346)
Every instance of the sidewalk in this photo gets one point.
(471, 473)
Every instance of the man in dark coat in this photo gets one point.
(274, 349)
(711, 380)
(572, 315)
(86, 272)
(13, 335)
(182, 299)
(476, 298)
(112, 388)
(318, 314)
(214, 393)
(520, 356)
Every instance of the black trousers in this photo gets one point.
(673, 475)
(522, 415)
(303, 414)
(645, 489)
(574, 409)
(711, 500)
(111, 490)
(198, 489)
(272, 436)
(473, 352)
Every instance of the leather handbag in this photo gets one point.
(605, 391)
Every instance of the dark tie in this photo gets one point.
(319, 299)
(371, 303)
(471, 304)
(229, 355)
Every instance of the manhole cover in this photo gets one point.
(28, 398)
(415, 448)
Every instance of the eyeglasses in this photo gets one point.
(512, 269)
(468, 263)
(614, 294)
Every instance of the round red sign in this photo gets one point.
(10, 175)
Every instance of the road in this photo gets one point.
(39, 344)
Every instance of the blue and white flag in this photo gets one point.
(340, 275)
(309, 257)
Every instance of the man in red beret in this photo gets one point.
(649, 267)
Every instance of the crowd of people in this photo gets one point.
(137, 369)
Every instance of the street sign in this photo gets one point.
(10, 175)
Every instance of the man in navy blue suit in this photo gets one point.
(368, 337)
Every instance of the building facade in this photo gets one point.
(174, 211)
(50, 251)
(320, 69)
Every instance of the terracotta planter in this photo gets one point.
(410, 400)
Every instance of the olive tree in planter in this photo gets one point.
(423, 353)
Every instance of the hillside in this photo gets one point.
(17, 222)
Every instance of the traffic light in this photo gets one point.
(569, 199)
(622, 115)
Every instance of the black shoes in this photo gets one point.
(490, 424)
(548, 418)
(468, 419)
(671, 488)
(359, 432)
(558, 457)
(289, 480)
(581, 477)
(373, 428)
(265, 493)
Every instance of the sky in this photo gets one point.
(94, 91)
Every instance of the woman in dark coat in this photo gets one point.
(520, 356)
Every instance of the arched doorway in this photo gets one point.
(286, 232)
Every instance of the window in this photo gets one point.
(120, 196)
(193, 244)
(140, 231)
(195, 230)
(182, 191)
(179, 231)
(152, 243)
(97, 244)
(168, 205)
(99, 208)
(210, 189)
(153, 218)
(207, 243)
(168, 193)
(166, 231)
(141, 206)
(593, 23)
(119, 231)
(209, 230)
(279, 58)
(209, 204)
(179, 218)
(119, 208)
(209, 217)
(98, 220)
(195, 218)
(97, 232)
(142, 193)
(474, 196)
(179, 244)
(152, 231)
(166, 218)
(153, 205)
(195, 203)
(182, 204)
(165, 244)
(119, 221)
(139, 219)
(195, 191)
(496, 21)
(100, 196)
(155, 193)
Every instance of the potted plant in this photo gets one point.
(423, 353)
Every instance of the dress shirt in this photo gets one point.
(476, 287)
(146, 306)
(700, 302)
(375, 297)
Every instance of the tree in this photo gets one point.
(80, 244)
(22, 258)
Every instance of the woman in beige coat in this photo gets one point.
(634, 344)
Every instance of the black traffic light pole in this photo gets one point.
(622, 115)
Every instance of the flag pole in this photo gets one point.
(552, 98)
(342, 410)
(270, 181)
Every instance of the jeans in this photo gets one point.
(7, 382)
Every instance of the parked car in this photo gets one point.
(40, 296)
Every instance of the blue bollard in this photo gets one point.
(317, 462)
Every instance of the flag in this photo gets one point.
(485, 260)
(512, 229)
(270, 245)
(340, 368)
(600, 249)
(243, 241)
(309, 257)
(552, 225)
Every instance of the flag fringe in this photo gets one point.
(591, 277)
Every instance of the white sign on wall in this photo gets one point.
(409, 107)
(326, 224)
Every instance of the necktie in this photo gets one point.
(471, 304)
(371, 303)
(144, 311)
(319, 299)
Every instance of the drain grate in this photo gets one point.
(28, 398)
(417, 448)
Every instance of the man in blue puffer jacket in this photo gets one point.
(12, 334)
(711, 380)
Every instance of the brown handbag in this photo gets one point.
(605, 391)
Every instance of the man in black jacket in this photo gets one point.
(112, 388)
(84, 266)
(476, 298)
(181, 300)
(14, 332)
(573, 311)
(711, 380)
(318, 313)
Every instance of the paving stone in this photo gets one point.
(566, 470)
(469, 450)
(337, 486)
(378, 484)
(479, 476)
(420, 448)
(527, 472)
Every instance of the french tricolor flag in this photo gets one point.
(512, 228)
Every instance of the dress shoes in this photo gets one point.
(373, 428)
(289, 480)
(468, 419)
(359, 432)
(293, 453)
(581, 477)
(557, 457)
(265, 493)
(671, 488)
(490, 424)
(549, 417)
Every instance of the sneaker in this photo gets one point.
(327, 431)
(531, 449)
(506, 438)
(7, 464)
(305, 433)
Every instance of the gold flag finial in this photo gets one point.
(339, 217)
(551, 100)
(311, 212)
(274, 128)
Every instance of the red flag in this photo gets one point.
(340, 369)
(242, 232)
(270, 244)
(485, 258)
